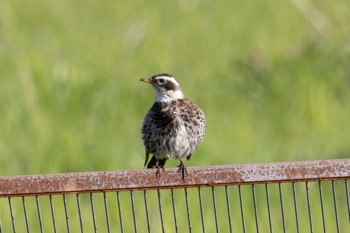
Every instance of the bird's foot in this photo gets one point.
(158, 169)
(182, 169)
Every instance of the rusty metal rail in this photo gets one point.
(128, 180)
(265, 197)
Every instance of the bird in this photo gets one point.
(173, 127)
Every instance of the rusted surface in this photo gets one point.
(125, 180)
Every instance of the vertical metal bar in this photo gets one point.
(242, 208)
(335, 206)
(66, 212)
(296, 208)
(160, 210)
(215, 212)
(282, 208)
(201, 208)
(53, 214)
(93, 212)
(80, 214)
(255, 209)
(228, 208)
(133, 210)
(12, 216)
(39, 214)
(0, 226)
(309, 206)
(347, 197)
(120, 214)
(25, 214)
(322, 207)
(268, 206)
(147, 213)
(188, 212)
(174, 209)
(107, 214)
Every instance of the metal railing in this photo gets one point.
(305, 196)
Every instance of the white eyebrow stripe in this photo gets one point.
(171, 79)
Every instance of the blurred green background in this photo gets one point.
(273, 78)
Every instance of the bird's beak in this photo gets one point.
(146, 80)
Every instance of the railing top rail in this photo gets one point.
(126, 180)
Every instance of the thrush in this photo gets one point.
(173, 127)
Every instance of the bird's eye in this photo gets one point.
(161, 81)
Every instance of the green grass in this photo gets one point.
(273, 87)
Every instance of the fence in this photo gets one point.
(306, 196)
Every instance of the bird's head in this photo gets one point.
(166, 86)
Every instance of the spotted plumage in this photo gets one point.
(173, 127)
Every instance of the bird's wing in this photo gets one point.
(156, 125)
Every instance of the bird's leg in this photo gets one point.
(158, 167)
(182, 169)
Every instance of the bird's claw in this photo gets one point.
(158, 169)
(183, 170)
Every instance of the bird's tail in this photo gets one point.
(153, 162)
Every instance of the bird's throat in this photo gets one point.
(170, 96)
